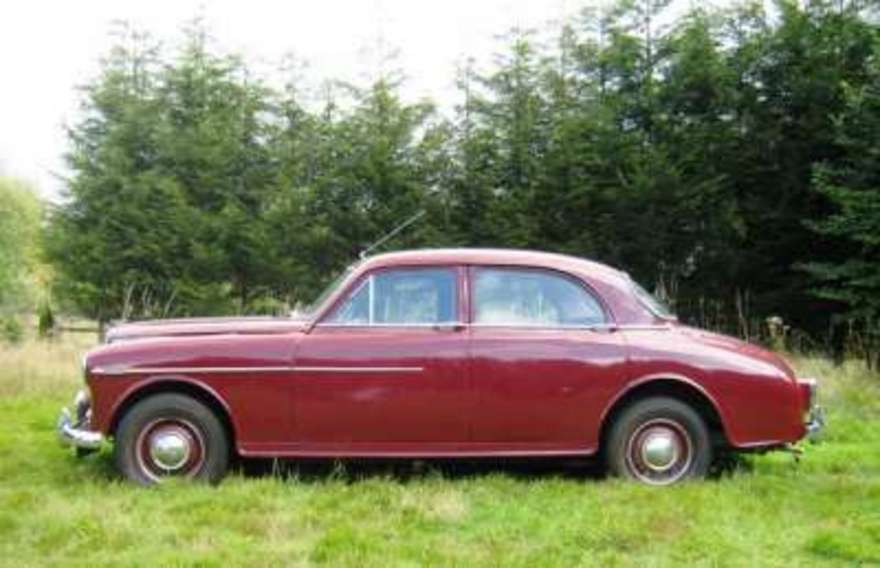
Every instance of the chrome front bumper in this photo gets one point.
(74, 429)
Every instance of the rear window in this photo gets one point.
(654, 305)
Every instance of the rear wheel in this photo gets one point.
(659, 441)
(171, 435)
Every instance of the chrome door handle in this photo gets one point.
(604, 328)
(448, 327)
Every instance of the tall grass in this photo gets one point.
(42, 367)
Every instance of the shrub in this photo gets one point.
(11, 330)
(46, 319)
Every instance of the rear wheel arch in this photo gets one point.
(176, 385)
(669, 386)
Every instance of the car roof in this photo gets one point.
(614, 286)
(495, 256)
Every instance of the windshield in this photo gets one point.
(648, 300)
(327, 292)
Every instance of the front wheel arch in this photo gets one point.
(173, 385)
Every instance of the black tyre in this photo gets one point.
(171, 435)
(659, 441)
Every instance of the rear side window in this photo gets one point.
(401, 297)
(507, 296)
(654, 305)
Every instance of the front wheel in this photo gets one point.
(659, 441)
(171, 435)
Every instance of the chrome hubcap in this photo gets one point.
(660, 450)
(170, 447)
(170, 450)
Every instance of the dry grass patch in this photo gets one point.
(48, 367)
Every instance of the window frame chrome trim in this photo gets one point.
(391, 325)
(519, 325)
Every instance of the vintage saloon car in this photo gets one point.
(441, 353)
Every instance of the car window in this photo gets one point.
(654, 305)
(402, 297)
(328, 291)
(533, 298)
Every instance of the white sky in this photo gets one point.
(48, 48)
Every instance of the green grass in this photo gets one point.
(56, 510)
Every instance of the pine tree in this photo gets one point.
(852, 184)
(116, 227)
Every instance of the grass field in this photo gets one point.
(59, 511)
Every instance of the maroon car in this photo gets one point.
(441, 353)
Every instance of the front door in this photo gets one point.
(387, 370)
(544, 361)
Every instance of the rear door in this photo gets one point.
(387, 370)
(543, 358)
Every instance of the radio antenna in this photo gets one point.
(389, 235)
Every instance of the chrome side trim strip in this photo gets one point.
(302, 369)
(359, 369)
(141, 370)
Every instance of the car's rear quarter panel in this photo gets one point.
(757, 402)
